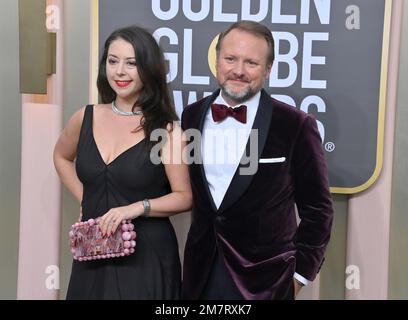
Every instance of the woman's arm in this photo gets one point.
(65, 154)
(180, 198)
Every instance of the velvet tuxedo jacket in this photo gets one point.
(255, 229)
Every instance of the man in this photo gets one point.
(244, 242)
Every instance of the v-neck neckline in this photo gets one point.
(97, 147)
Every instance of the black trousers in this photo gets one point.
(220, 285)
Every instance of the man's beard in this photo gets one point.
(237, 97)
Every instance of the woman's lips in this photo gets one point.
(122, 83)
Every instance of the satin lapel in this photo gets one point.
(239, 182)
(198, 168)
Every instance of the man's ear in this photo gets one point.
(268, 71)
(216, 65)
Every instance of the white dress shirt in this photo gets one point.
(223, 144)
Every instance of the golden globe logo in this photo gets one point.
(212, 55)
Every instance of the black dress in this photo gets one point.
(153, 271)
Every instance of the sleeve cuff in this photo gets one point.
(301, 279)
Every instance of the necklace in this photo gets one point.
(125, 113)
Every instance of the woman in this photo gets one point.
(114, 177)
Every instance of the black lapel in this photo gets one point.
(239, 182)
(198, 169)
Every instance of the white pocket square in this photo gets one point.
(272, 160)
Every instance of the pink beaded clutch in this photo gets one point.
(88, 243)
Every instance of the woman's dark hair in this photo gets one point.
(154, 98)
(254, 28)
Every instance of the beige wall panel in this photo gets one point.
(398, 264)
(76, 94)
(34, 46)
(332, 273)
(10, 145)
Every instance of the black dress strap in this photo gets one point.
(86, 127)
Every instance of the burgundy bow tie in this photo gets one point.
(220, 112)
